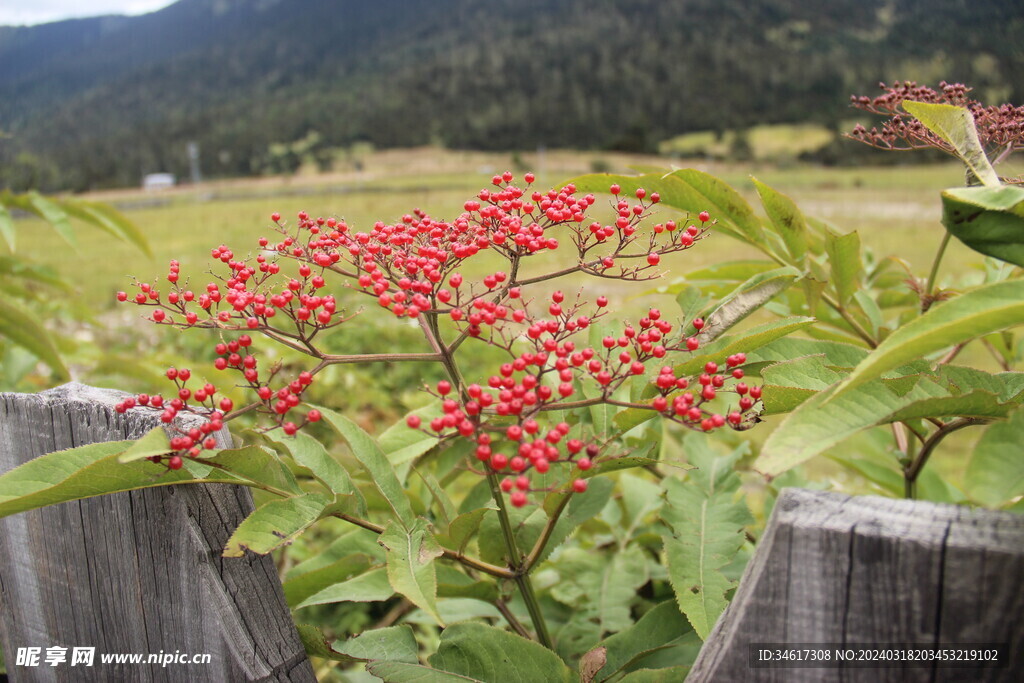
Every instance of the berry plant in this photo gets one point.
(554, 496)
(548, 384)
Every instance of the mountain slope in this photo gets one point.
(100, 101)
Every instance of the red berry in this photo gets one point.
(444, 387)
(413, 421)
(653, 259)
(579, 486)
(175, 462)
(704, 216)
(615, 189)
(517, 498)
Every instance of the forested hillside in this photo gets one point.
(98, 102)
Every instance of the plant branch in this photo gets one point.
(913, 469)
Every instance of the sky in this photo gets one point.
(18, 12)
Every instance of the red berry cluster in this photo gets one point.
(411, 269)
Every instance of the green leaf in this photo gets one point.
(974, 314)
(316, 644)
(373, 586)
(746, 299)
(658, 628)
(989, 220)
(724, 203)
(402, 444)
(93, 470)
(109, 220)
(844, 259)
(390, 644)
(153, 442)
(708, 532)
(372, 458)
(256, 464)
(788, 384)
(463, 527)
(311, 454)
(24, 330)
(745, 342)
(7, 227)
(403, 672)
(691, 301)
(786, 218)
(486, 653)
(834, 354)
(600, 589)
(52, 214)
(275, 524)
(826, 419)
(956, 126)
(410, 563)
(995, 472)
(312, 582)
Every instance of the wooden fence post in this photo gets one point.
(136, 572)
(848, 570)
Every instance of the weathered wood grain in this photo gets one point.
(832, 568)
(136, 572)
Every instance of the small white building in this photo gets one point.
(154, 182)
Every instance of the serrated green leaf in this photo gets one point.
(372, 586)
(995, 472)
(989, 220)
(390, 644)
(311, 454)
(372, 458)
(310, 583)
(786, 218)
(834, 354)
(788, 384)
(256, 464)
(463, 527)
(315, 642)
(153, 442)
(658, 628)
(976, 313)
(93, 470)
(956, 126)
(23, 329)
(707, 534)
(275, 524)
(725, 203)
(410, 564)
(600, 589)
(844, 261)
(486, 653)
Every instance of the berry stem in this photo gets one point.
(545, 534)
(428, 323)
